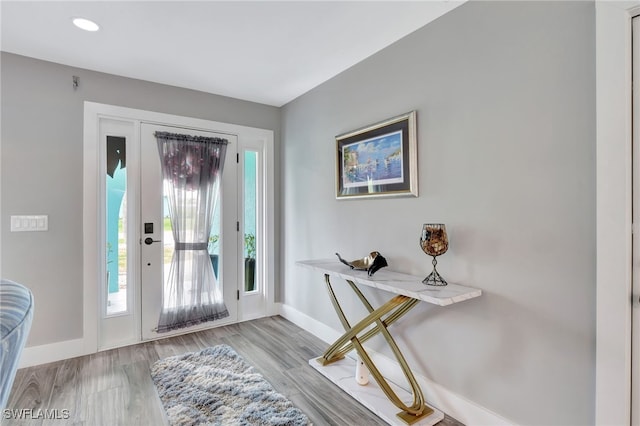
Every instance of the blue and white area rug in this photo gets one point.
(217, 387)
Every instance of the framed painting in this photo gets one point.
(379, 160)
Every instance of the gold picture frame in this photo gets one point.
(379, 160)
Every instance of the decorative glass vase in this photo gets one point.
(434, 242)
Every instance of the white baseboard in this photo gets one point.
(437, 396)
(43, 354)
(313, 326)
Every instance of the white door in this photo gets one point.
(156, 240)
(123, 276)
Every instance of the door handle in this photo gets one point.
(148, 241)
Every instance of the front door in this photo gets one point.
(156, 240)
(124, 205)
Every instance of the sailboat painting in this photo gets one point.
(379, 160)
(375, 161)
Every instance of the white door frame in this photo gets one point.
(613, 212)
(92, 202)
(635, 305)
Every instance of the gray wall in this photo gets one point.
(41, 172)
(505, 95)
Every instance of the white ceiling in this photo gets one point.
(262, 51)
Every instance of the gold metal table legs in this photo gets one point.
(355, 336)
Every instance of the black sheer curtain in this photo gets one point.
(192, 169)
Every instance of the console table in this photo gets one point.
(409, 291)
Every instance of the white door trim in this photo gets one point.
(613, 212)
(91, 201)
(635, 306)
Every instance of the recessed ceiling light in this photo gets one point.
(85, 24)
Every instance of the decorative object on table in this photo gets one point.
(370, 263)
(378, 160)
(434, 242)
(216, 386)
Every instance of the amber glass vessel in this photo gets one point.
(434, 242)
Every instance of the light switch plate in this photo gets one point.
(29, 223)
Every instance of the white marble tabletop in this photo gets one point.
(395, 282)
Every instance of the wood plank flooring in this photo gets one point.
(114, 387)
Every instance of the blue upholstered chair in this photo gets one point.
(16, 314)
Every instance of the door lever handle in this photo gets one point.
(148, 241)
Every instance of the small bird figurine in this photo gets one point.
(370, 263)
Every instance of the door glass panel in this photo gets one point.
(215, 238)
(116, 250)
(250, 223)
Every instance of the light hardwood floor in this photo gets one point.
(114, 387)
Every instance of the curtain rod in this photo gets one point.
(190, 138)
